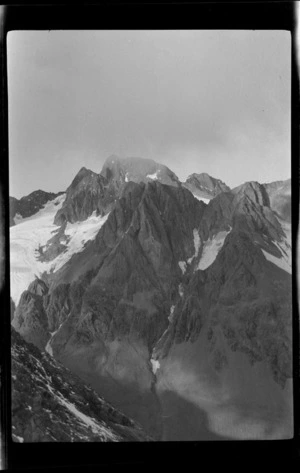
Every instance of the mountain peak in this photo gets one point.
(205, 185)
(82, 173)
(137, 169)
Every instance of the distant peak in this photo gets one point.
(111, 159)
(80, 175)
(206, 183)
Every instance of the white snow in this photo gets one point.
(182, 265)
(153, 176)
(170, 318)
(20, 439)
(180, 290)
(14, 377)
(48, 347)
(284, 245)
(280, 262)
(35, 231)
(203, 199)
(211, 249)
(155, 365)
(197, 244)
(88, 421)
(96, 426)
(126, 177)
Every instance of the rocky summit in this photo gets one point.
(171, 300)
(205, 186)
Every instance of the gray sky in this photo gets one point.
(198, 101)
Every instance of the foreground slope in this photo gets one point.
(50, 404)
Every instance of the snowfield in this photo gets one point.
(33, 232)
(211, 249)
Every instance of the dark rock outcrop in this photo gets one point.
(51, 404)
(87, 193)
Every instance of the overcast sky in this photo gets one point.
(197, 101)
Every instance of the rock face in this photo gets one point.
(205, 186)
(90, 192)
(175, 306)
(28, 205)
(280, 198)
(50, 404)
(86, 194)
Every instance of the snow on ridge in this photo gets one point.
(153, 176)
(97, 427)
(211, 249)
(202, 199)
(280, 262)
(182, 265)
(34, 232)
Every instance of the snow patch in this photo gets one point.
(97, 427)
(19, 439)
(155, 365)
(48, 347)
(281, 262)
(153, 176)
(284, 245)
(197, 244)
(170, 318)
(202, 199)
(211, 249)
(180, 290)
(34, 232)
(182, 265)
(126, 177)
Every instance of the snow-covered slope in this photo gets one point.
(211, 249)
(33, 233)
(284, 246)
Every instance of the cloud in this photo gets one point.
(168, 95)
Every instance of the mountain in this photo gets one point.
(28, 205)
(176, 311)
(133, 169)
(204, 187)
(65, 409)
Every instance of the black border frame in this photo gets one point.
(114, 14)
